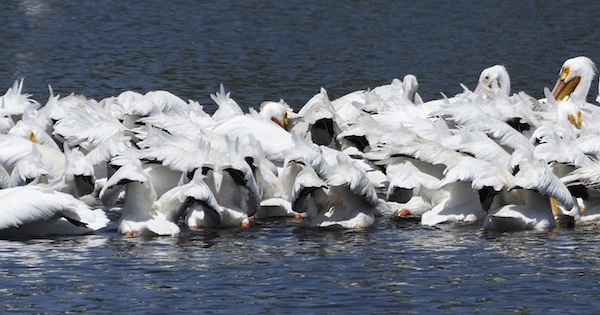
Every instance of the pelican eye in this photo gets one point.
(564, 73)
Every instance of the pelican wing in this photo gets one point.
(28, 204)
(355, 179)
(536, 175)
(480, 173)
(227, 106)
(407, 176)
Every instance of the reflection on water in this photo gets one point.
(273, 264)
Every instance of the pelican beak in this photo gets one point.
(32, 137)
(128, 234)
(275, 120)
(477, 88)
(561, 87)
(286, 123)
(576, 122)
(554, 207)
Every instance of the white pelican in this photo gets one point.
(79, 177)
(351, 199)
(493, 83)
(18, 149)
(234, 189)
(477, 144)
(380, 97)
(460, 177)
(28, 128)
(229, 178)
(321, 120)
(166, 101)
(143, 213)
(31, 167)
(495, 77)
(178, 153)
(530, 201)
(273, 137)
(331, 188)
(410, 86)
(456, 202)
(467, 184)
(275, 197)
(40, 211)
(279, 112)
(85, 123)
(205, 211)
(407, 185)
(311, 197)
(27, 160)
(555, 148)
(364, 134)
(15, 103)
(574, 79)
(6, 122)
(228, 108)
(135, 105)
(584, 183)
(309, 192)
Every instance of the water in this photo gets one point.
(286, 50)
(281, 267)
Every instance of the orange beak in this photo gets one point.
(576, 122)
(562, 89)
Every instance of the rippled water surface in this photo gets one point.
(281, 267)
(288, 50)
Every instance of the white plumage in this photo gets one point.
(39, 211)
(482, 155)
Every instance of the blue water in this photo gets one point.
(288, 50)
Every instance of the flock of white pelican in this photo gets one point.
(503, 162)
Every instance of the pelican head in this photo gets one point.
(570, 111)
(410, 85)
(574, 79)
(495, 77)
(278, 112)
